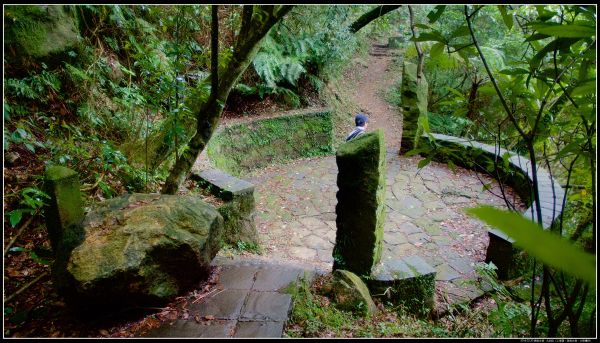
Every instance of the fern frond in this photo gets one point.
(20, 88)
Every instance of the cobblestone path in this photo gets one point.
(296, 217)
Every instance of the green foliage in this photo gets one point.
(39, 255)
(33, 200)
(248, 246)
(448, 125)
(314, 317)
(544, 245)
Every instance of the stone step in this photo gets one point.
(249, 301)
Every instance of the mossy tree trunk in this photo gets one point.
(256, 23)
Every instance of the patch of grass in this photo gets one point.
(315, 315)
(240, 248)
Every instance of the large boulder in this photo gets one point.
(40, 30)
(140, 248)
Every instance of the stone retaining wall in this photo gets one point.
(240, 148)
(474, 155)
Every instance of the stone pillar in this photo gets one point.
(361, 203)
(414, 105)
(65, 208)
(510, 260)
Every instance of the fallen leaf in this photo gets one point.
(209, 317)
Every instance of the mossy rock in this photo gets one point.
(141, 249)
(40, 30)
(351, 293)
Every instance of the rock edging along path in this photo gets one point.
(500, 250)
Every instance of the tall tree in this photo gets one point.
(257, 20)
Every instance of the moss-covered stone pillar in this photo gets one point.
(413, 93)
(65, 208)
(361, 203)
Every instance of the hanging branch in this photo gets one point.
(370, 16)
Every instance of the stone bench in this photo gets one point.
(408, 281)
(238, 210)
(474, 155)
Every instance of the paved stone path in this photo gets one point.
(248, 301)
(425, 217)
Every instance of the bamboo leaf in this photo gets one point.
(435, 14)
(424, 162)
(565, 31)
(460, 32)
(584, 89)
(436, 50)
(507, 18)
(544, 245)
(429, 36)
(514, 71)
(536, 36)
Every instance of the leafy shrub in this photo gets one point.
(448, 125)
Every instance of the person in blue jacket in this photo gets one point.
(362, 121)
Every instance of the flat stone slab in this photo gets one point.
(446, 273)
(225, 304)
(237, 277)
(259, 329)
(275, 279)
(248, 301)
(226, 183)
(267, 306)
(191, 329)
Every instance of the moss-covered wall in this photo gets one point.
(473, 157)
(241, 148)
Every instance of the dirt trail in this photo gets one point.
(371, 86)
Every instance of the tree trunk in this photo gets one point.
(471, 103)
(420, 55)
(209, 114)
(370, 16)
